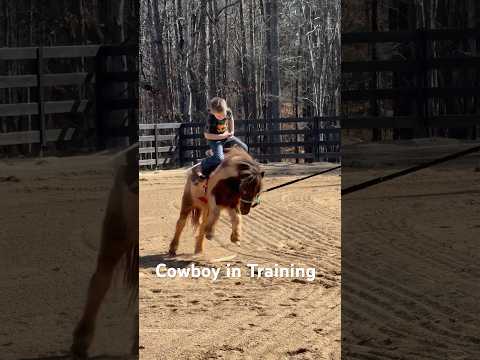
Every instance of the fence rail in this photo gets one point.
(306, 139)
(409, 122)
(41, 79)
(402, 36)
(417, 68)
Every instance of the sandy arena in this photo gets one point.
(50, 219)
(244, 318)
(410, 224)
(410, 253)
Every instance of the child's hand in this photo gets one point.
(227, 134)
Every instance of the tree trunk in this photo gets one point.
(225, 53)
(159, 60)
(253, 71)
(114, 34)
(202, 79)
(373, 108)
(181, 61)
(245, 88)
(272, 76)
(212, 25)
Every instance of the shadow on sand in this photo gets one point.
(96, 357)
(151, 261)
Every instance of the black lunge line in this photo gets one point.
(303, 178)
(381, 179)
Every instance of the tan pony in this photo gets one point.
(233, 186)
(119, 240)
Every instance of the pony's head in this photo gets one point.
(251, 176)
(240, 180)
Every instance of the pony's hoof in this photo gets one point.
(172, 252)
(79, 350)
(209, 236)
(82, 338)
(134, 350)
(235, 240)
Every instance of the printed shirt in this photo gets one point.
(215, 126)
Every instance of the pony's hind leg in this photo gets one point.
(113, 248)
(134, 350)
(236, 220)
(213, 215)
(201, 233)
(178, 230)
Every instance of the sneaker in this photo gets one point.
(197, 173)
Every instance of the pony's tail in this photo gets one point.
(196, 213)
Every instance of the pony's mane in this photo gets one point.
(237, 153)
(249, 170)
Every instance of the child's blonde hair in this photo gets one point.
(218, 105)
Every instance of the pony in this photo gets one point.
(119, 239)
(233, 186)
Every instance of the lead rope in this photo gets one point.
(257, 199)
(381, 179)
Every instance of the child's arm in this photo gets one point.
(214, 137)
(209, 131)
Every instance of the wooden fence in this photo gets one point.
(418, 67)
(159, 145)
(300, 139)
(80, 105)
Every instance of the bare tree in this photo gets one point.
(248, 51)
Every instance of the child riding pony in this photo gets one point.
(219, 132)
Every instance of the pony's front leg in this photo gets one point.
(178, 230)
(236, 220)
(201, 233)
(213, 215)
(113, 246)
(99, 284)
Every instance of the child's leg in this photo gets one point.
(210, 163)
(232, 140)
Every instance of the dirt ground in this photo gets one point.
(244, 318)
(50, 230)
(50, 222)
(410, 254)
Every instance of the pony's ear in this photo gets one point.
(262, 174)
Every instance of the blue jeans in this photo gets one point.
(210, 163)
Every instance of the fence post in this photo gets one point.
(180, 145)
(41, 105)
(132, 113)
(297, 160)
(155, 136)
(421, 75)
(316, 135)
(99, 113)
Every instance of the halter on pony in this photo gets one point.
(255, 201)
